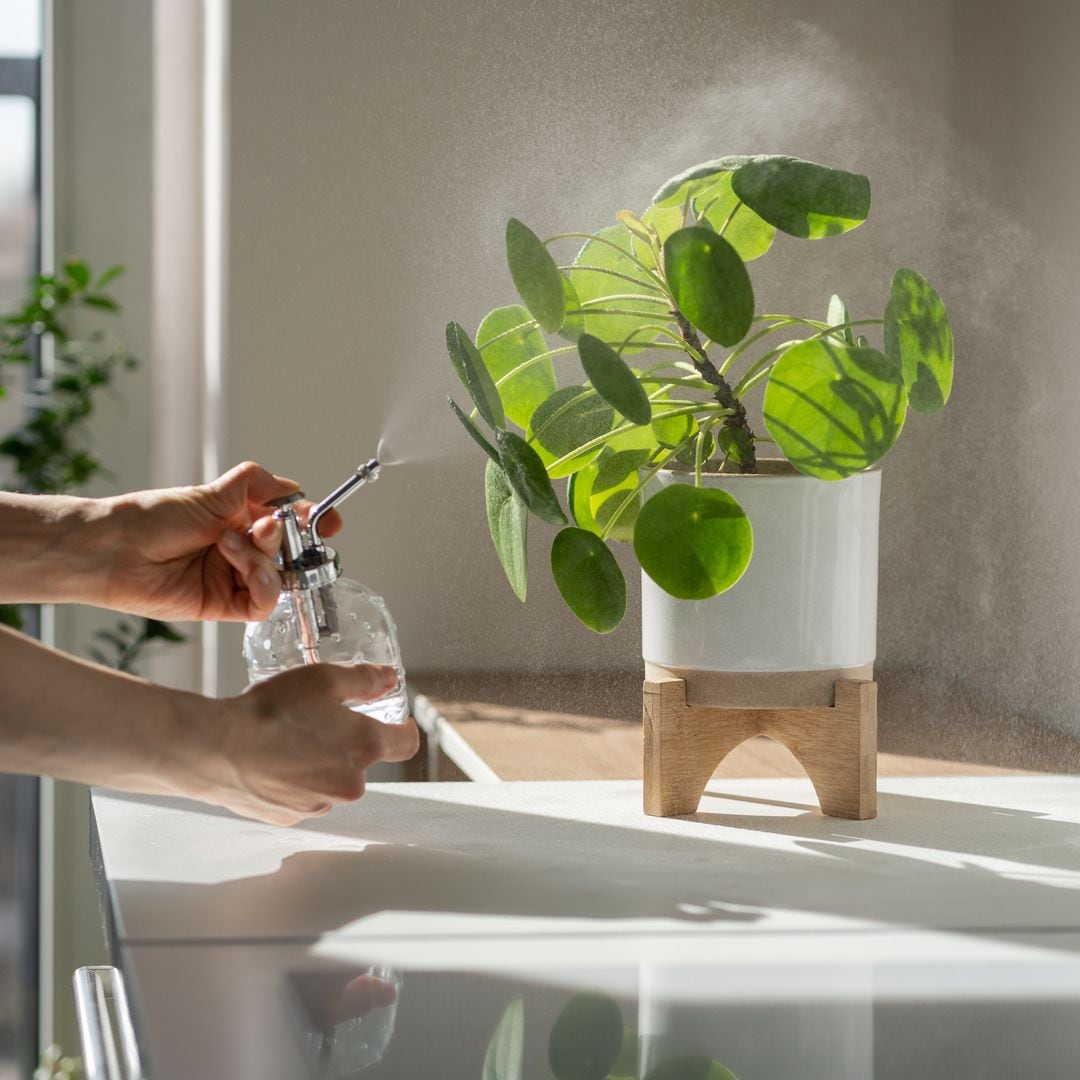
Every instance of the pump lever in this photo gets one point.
(365, 473)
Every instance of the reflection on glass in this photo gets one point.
(18, 218)
(348, 1022)
(20, 28)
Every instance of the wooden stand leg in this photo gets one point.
(836, 746)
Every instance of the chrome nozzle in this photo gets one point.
(366, 473)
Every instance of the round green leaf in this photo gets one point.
(570, 418)
(591, 583)
(474, 375)
(710, 283)
(674, 192)
(801, 198)
(592, 285)
(613, 380)
(587, 1035)
(918, 339)
(536, 277)
(528, 478)
(747, 233)
(473, 430)
(508, 522)
(834, 409)
(690, 1067)
(578, 492)
(693, 542)
(521, 394)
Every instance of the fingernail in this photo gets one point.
(232, 540)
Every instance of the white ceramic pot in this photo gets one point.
(808, 600)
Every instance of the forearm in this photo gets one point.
(53, 548)
(72, 720)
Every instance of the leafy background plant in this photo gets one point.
(645, 305)
(51, 452)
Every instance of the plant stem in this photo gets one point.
(592, 444)
(722, 391)
(757, 371)
(613, 273)
(728, 219)
(628, 255)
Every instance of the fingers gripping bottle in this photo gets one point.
(322, 617)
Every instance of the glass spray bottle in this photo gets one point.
(322, 617)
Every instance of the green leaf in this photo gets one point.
(688, 455)
(837, 316)
(665, 220)
(632, 223)
(693, 542)
(710, 283)
(599, 490)
(521, 394)
(474, 431)
(108, 276)
(528, 478)
(834, 409)
(570, 418)
(78, 272)
(505, 1057)
(918, 338)
(474, 375)
(536, 277)
(591, 583)
(9, 616)
(574, 326)
(735, 444)
(106, 303)
(592, 285)
(747, 233)
(586, 1038)
(801, 198)
(674, 192)
(155, 629)
(508, 520)
(690, 1067)
(613, 380)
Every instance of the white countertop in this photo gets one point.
(964, 889)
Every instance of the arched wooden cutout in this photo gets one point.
(837, 746)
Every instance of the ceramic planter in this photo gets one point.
(802, 616)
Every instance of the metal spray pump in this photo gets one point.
(322, 617)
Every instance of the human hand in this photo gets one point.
(290, 748)
(202, 552)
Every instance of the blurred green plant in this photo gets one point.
(50, 453)
(641, 306)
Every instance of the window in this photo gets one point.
(20, 187)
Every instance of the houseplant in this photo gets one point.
(50, 452)
(655, 441)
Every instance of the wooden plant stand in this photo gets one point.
(837, 746)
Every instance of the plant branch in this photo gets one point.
(722, 391)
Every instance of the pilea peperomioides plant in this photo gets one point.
(646, 306)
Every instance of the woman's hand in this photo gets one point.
(291, 748)
(202, 552)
